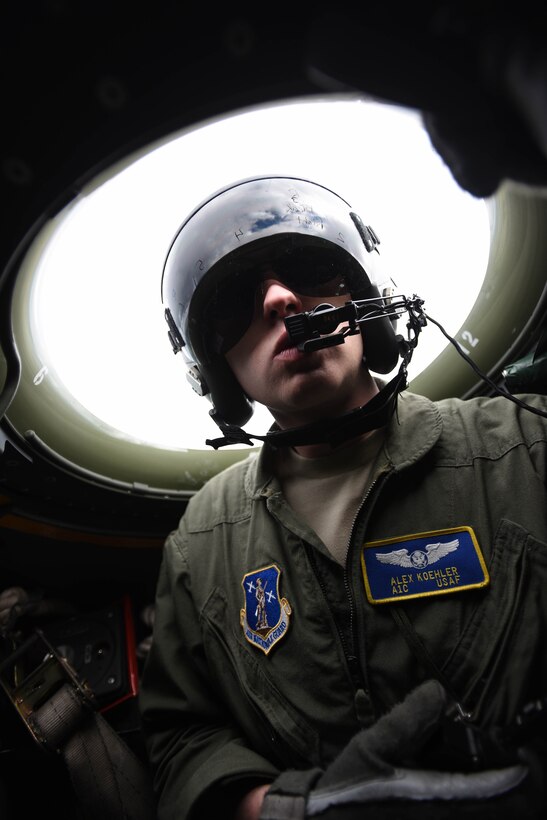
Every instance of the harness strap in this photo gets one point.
(419, 650)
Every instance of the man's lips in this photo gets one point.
(284, 348)
(287, 352)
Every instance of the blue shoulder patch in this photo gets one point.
(265, 616)
(417, 566)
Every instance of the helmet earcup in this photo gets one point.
(381, 347)
(229, 400)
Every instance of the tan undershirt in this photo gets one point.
(327, 491)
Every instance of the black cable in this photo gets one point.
(310, 331)
(482, 375)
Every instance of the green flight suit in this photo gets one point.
(219, 710)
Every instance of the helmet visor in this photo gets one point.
(236, 297)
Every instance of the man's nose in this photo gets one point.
(278, 299)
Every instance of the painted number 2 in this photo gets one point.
(470, 339)
(473, 340)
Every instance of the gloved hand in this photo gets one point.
(17, 604)
(11, 598)
(479, 78)
(376, 765)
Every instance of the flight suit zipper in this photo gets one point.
(354, 659)
(350, 647)
(350, 659)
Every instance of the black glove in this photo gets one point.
(376, 766)
(478, 78)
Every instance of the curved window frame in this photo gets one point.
(51, 422)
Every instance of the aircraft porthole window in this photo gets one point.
(101, 386)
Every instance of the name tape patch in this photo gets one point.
(416, 566)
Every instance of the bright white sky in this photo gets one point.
(98, 282)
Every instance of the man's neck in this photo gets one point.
(367, 390)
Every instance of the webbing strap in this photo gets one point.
(288, 795)
(110, 781)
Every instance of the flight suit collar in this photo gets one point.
(414, 429)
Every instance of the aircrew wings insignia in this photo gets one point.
(419, 558)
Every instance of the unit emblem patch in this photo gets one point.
(416, 566)
(265, 617)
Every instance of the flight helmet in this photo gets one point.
(304, 230)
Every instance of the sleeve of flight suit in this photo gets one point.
(538, 449)
(196, 752)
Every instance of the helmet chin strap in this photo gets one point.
(334, 431)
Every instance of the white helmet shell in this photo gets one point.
(253, 218)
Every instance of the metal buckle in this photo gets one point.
(33, 673)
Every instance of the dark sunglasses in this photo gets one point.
(232, 305)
